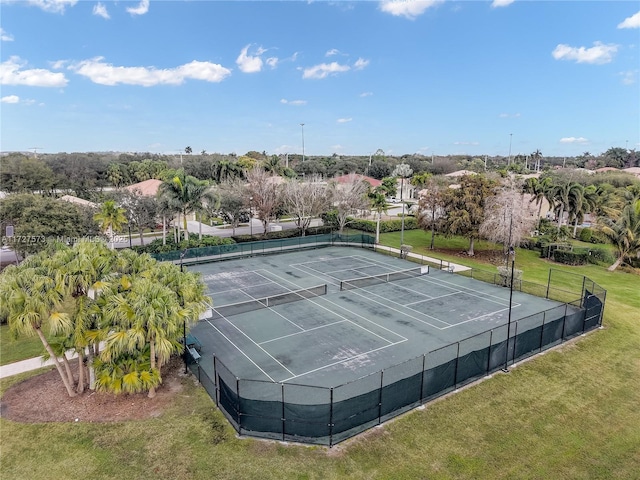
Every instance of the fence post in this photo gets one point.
(564, 321)
(582, 295)
(238, 405)
(424, 359)
(544, 319)
(548, 284)
(489, 356)
(380, 398)
(455, 371)
(283, 415)
(331, 417)
(515, 343)
(215, 382)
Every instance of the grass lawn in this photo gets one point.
(571, 413)
(13, 350)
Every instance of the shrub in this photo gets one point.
(290, 233)
(156, 246)
(600, 255)
(571, 258)
(585, 234)
(386, 226)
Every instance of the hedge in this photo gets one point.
(386, 226)
(156, 246)
(290, 233)
(571, 258)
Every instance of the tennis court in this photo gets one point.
(331, 320)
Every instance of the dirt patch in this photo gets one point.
(43, 398)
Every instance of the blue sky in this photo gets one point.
(432, 77)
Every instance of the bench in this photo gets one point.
(194, 354)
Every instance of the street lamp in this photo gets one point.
(512, 254)
(403, 171)
(302, 125)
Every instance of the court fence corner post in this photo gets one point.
(331, 417)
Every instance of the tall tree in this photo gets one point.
(464, 207)
(430, 206)
(565, 195)
(231, 203)
(141, 211)
(378, 200)
(349, 198)
(539, 189)
(185, 193)
(306, 200)
(111, 218)
(623, 232)
(263, 190)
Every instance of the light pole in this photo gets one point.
(302, 125)
(510, 136)
(512, 254)
(403, 171)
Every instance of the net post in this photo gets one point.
(380, 398)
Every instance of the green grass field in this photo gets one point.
(572, 413)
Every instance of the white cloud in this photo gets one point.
(344, 120)
(631, 22)
(250, 63)
(296, 103)
(509, 115)
(101, 10)
(141, 9)
(366, 94)
(501, 3)
(598, 54)
(408, 8)
(578, 140)
(629, 77)
(272, 62)
(53, 6)
(5, 37)
(324, 70)
(333, 51)
(360, 64)
(106, 74)
(466, 143)
(11, 74)
(10, 99)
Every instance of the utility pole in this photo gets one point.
(35, 151)
(510, 136)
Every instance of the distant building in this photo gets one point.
(148, 188)
(78, 201)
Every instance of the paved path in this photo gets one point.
(444, 264)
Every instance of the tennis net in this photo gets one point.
(361, 282)
(266, 302)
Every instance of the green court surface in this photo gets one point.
(305, 336)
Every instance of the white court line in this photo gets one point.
(356, 292)
(254, 342)
(485, 315)
(340, 316)
(431, 298)
(304, 331)
(242, 288)
(342, 361)
(241, 351)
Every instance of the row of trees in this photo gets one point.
(123, 314)
(84, 174)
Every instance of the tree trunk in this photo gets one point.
(616, 263)
(164, 230)
(560, 218)
(378, 228)
(539, 215)
(471, 243)
(140, 231)
(81, 381)
(199, 227)
(152, 354)
(92, 372)
(184, 224)
(575, 227)
(67, 367)
(56, 362)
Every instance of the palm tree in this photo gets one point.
(184, 193)
(565, 196)
(379, 205)
(403, 171)
(624, 232)
(32, 301)
(539, 190)
(111, 219)
(581, 205)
